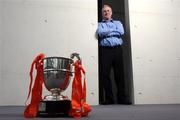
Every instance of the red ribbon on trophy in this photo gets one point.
(79, 106)
(31, 109)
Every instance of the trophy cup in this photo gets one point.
(57, 75)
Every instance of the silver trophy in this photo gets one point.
(57, 75)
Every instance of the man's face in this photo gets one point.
(107, 13)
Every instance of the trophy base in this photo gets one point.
(59, 108)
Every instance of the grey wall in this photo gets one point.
(58, 28)
(53, 27)
(155, 40)
(0, 50)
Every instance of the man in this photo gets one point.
(110, 55)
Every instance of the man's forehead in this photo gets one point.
(106, 8)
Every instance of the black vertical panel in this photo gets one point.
(120, 12)
(127, 55)
(99, 10)
(101, 92)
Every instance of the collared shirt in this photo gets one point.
(110, 33)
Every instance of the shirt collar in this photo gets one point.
(107, 21)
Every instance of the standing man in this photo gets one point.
(110, 55)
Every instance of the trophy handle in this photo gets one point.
(75, 55)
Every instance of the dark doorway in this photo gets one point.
(120, 12)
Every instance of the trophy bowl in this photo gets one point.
(57, 74)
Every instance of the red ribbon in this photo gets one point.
(31, 109)
(79, 106)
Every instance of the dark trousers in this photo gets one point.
(111, 57)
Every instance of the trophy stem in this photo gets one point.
(55, 95)
(55, 92)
